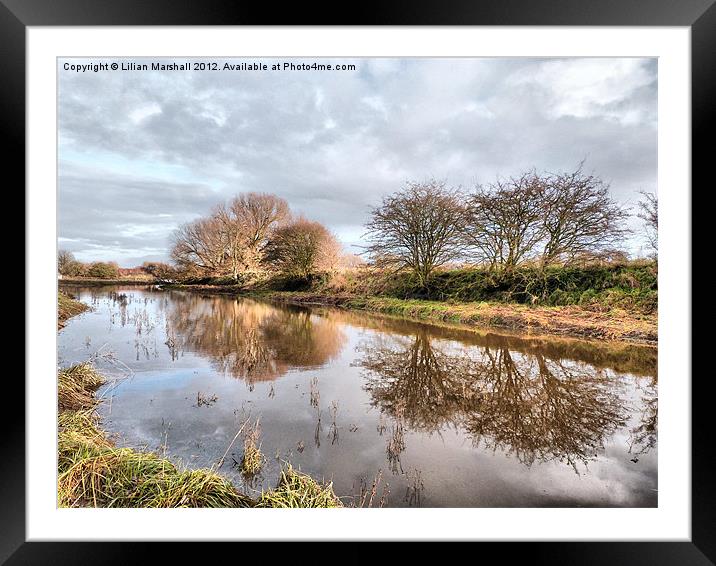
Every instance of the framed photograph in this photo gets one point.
(419, 276)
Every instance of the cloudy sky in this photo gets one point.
(141, 152)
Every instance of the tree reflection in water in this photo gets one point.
(250, 340)
(643, 436)
(536, 408)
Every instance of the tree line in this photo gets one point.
(536, 218)
(68, 266)
(540, 219)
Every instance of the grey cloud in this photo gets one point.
(122, 217)
(333, 144)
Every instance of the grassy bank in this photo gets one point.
(631, 287)
(67, 307)
(92, 472)
(616, 302)
(614, 324)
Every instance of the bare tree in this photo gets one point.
(649, 213)
(231, 239)
(505, 220)
(65, 260)
(562, 218)
(248, 221)
(201, 244)
(67, 264)
(579, 216)
(260, 215)
(301, 248)
(418, 228)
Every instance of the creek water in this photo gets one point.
(440, 416)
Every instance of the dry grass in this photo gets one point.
(93, 472)
(367, 495)
(295, 489)
(76, 386)
(252, 460)
(67, 307)
(613, 324)
(95, 282)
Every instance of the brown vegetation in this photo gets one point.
(302, 248)
(616, 324)
(232, 239)
(67, 307)
(253, 233)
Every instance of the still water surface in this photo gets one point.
(447, 417)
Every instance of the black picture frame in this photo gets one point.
(16, 15)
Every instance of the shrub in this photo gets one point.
(632, 285)
(103, 270)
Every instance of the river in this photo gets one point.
(436, 416)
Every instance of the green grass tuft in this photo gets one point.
(295, 489)
(92, 472)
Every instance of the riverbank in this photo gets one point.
(67, 307)
(90, 282)
(612, 302)
(572, 321)
(614, 324)
(605, 302)
(93, 472)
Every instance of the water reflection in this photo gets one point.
(643, 437)
(250, 340)
(536, 408)
(454, 418)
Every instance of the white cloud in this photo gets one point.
(585, 88)
(376, 103)
(144, 111)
